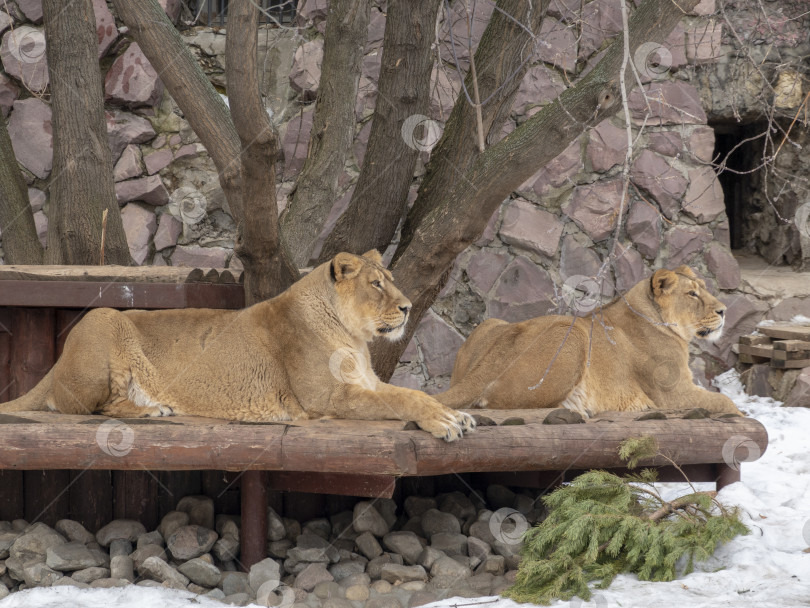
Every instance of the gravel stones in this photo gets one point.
(72, 556)
(200, 572)
(368, 519)
(126, 529)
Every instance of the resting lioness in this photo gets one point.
(633, 354)
(302, 354)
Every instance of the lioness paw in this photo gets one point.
(442, 427)
(465, 421)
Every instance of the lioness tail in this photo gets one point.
(34, 400)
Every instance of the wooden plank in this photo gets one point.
(751, 360)
(223, 487)
(46, 496)
(135, 497)
(786, 331)
(790, 355)
(765, 351)
(12, 497)
(72, 294)
(91, 498)
(174, 485)
(791, 345)
(343, 484)
(753, 340)
(105, 274)
(794, 364)
(5, 367)
(66, 318)
(33, 347)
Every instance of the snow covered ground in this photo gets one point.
(767, 569)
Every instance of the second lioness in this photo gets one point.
(302, 354)
(631, 355)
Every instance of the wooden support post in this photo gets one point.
(726, 475)
(254, 518)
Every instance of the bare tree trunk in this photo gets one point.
(423, 262)
(332, 128)
(81, 186)
(209, 117)
(20, 242)
(502, 59)
(267, 270)
(381, 194)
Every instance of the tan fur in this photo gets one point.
(302, 354)
(633, 354)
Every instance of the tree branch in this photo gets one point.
(332, 127)
(268, 270)
(438, 233)
(381, 193)
(81, 184)
(19, 233)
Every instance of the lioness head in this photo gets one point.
(685, 303)
(369, 303)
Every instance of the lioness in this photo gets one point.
(302, 354)
(632, 354)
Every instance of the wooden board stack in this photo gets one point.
(782, 345)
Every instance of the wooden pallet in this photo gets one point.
(781, 345)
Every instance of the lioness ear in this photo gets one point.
(663, 282)
(345, 266)
(374, 256)
(685, 270)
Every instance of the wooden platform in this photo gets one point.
(381, 451)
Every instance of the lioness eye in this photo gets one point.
(377, 284)
(692, 293)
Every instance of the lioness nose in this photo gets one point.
(721, 312)
(405, 310)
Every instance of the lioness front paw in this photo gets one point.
(466, 422)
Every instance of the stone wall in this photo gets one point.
(544, 242)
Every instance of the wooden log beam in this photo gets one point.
(254, 519)
(94, 294)
(358, 447)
